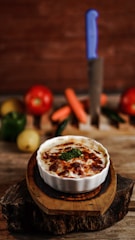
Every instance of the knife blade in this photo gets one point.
(95, 66)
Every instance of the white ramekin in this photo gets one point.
(72, 185)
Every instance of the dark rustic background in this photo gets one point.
(43, 41)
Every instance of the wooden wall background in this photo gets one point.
(43, 41)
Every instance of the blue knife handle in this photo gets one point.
(91, 34)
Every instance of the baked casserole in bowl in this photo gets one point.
(73, 164)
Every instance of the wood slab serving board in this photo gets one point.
(54, 202)
(23, 215)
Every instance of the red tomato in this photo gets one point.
(38, 100)
(127, 102)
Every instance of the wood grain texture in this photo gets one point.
(24, 216)
(43, 42)
(13, 169)
(53, 205)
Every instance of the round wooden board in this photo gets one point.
(54, 202)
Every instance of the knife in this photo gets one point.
(95, 66)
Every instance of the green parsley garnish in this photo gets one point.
(74, 152)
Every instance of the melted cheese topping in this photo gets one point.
(89, 163)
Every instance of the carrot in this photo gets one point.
(75, 105)
(103, 99)
(61, 113)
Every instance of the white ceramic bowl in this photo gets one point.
(73, 184)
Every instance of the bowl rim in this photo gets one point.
(106, 168)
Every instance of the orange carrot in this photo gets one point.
(75, 105)
(103, 99)
(61, 113)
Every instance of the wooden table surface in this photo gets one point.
(13, 165)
